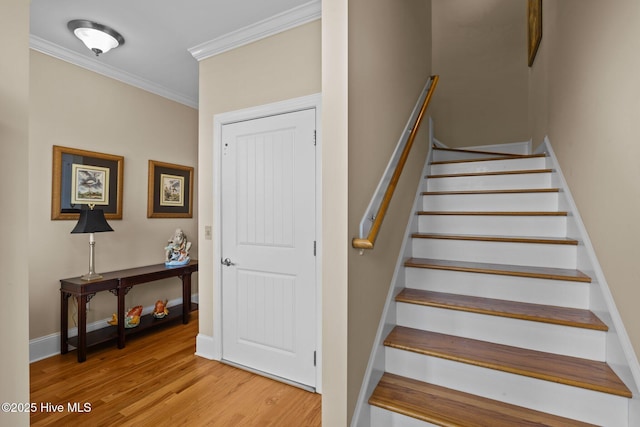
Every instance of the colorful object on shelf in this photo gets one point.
(114, 320)
(160, 310)
(132, 318)
(177, 250)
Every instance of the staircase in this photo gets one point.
(489, 319)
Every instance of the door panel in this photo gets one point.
(268, 234)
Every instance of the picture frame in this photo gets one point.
(534, 18)
(82, 177)
(170, 190)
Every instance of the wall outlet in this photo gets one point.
(207, 232)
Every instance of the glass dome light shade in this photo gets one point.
(96, 40)
(97, 37)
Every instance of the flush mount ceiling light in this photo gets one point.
(97, 37)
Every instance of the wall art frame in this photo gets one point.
(534, 22)
(82, 177)
(170, 190)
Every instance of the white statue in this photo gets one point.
(177, 250)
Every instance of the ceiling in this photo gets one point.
(159, 35)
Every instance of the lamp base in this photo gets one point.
(91, 276)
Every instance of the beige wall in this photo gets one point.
(73, 107)
(389, 63)
(14, 117)
(585, 94)
(284, 66)
(479, 51)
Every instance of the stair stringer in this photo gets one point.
(376, 365)
(620, 354)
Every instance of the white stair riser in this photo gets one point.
(444, 155)
(522, 289)
(546, 396)
(502, 202)
(501, 225)
(532, 254)
(490, 182)
(384, 418)
(576, 342)
(490, 166)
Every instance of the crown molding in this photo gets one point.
(43, 46)
(276, 24)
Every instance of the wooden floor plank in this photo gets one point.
(446, 407)
(493, 238)
(500, 269)
(588, 374)
(492, 173)
(157, 380)
(505, 191)
(494, 213)
(512, 309)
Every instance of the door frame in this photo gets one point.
(219, 120)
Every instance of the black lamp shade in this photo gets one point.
(91, 221)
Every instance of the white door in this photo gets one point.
(268, 242)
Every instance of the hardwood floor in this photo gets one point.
(156, 380)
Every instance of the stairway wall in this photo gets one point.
(389, 63)
(584, 95)
(479, 49)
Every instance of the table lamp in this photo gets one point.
(91, 221)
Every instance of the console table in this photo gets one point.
(118, 283)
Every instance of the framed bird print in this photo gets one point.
(83, 177)
(89, 185)
(170, 192)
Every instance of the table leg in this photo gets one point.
(186, 297)
(64, 322)
(121, 295)
(82, 327)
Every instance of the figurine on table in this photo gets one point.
(177, 250)
(160, 310)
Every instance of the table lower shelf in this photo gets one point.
(110, 333)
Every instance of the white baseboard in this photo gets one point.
(49, 345)
(206, 347)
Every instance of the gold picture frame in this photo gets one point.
(534, 18)
(69, 166)
(170, 191)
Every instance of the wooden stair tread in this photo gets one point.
(512, 309)
(584, 373)
(497, 153)
(495, 213)
(492, 173)
(446, 407)
(509, 191)
(500, 269)
(488, 238)
(488, 159)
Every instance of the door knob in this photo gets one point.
(227, 262)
